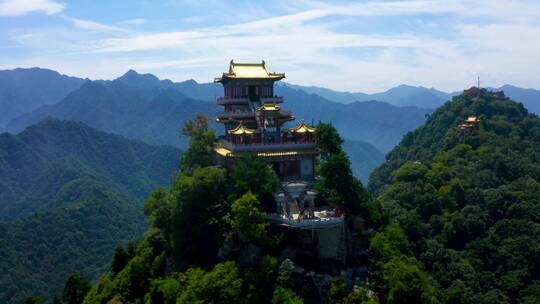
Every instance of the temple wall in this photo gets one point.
(307, 166)
(332, 243)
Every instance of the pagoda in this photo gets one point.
(255, 123)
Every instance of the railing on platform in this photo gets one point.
(243, 100)
(312, 223)
(278, 146)
(236, 114)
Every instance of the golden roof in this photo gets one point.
(241, 130)
(223, 151)
(249, 70)
(472, 119)
(303, 128)
(269, 107)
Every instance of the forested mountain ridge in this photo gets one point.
(68, 195)
(37, 162)
(467, 200)
(211, 240)
(38, 252)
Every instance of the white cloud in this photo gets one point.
(93, 25)
(496, 39)
(13, 8)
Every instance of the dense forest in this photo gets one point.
(68, 195)
(455, 219)
(210, 240)
(462, 206)
(452, 216)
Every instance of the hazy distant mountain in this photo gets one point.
(364, 158)
(24, 90)
(337, 96)
(378, 123)
(144, 107)
(201, 91)
(529, 97)
(405, 95)
(134, 105)
(68, 195)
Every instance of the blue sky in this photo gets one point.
(366, 46)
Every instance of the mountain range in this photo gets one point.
(23, 90)
(82, 155)
(418, 96)
(68, 195)
(142, 106)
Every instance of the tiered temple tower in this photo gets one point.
(254, 123)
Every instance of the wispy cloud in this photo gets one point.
(13, 8)
(368, 46)
(93, 25)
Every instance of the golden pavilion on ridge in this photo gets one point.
(254, 123)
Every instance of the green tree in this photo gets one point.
(56, 300)
(338, 184)
(221, 285)
(248, 218)
(163, 291)
(389, 243)
(328, 140)
(252, 174)
(31, 299)
(407, 283)
(360, 295)
(75, 289)
(190, 215)
(201, 144)
(120, 260)
(285, 296)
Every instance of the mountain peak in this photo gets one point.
(130, 72)
(190, 81)
(132, 75)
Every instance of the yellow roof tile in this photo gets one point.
(223, 151)
(303, 128)
(249, 70)
(269, 107)
(241, 130)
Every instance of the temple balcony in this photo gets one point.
(232, 100)
(263, 147)
(274, 99)
(224, 115)
(280, 113)
(245, 100)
